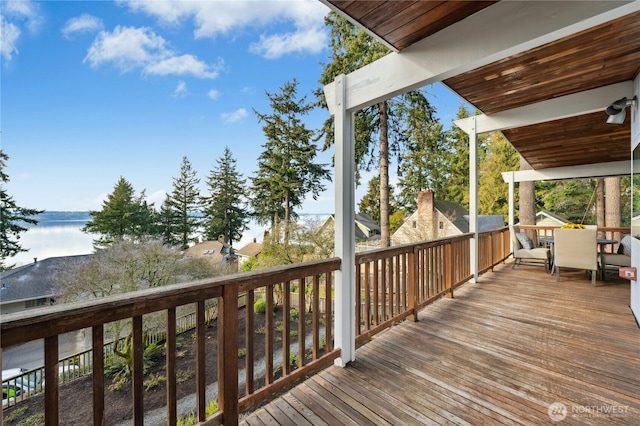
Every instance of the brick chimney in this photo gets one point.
(426, 214)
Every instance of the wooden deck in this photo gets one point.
(508, 350)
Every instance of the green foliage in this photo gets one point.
(16, 413)
(370, 202)
(493, 191)
(191, 420)
(249, 265)
(287, 172)
(35, 420)
(12, 219)
(224, 208)
(260, 306)
(293, 314)
(181, 209)
(154, 380)
(123, 216)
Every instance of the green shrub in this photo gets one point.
(293, 314)
(260, 307)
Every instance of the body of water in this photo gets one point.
(53, 239)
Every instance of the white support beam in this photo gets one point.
(345, 302)
(467, 45)
(473, 200)
(555, 109)
(614, 168)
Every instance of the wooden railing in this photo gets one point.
(612, 233)
(391, 285)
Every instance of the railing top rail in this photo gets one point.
(58, 319)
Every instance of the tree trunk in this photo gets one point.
(613, 215)
(527, 212)
(385, 236)
(600, 220)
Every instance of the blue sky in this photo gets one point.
(95, 90)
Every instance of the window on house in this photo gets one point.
(441, 225)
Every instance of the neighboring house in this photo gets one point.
(33, 285)
(251, 250)
(216, 252)
(437, 219)
(367, 231)
(366, 228)
(546, 218)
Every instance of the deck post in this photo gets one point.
(345, 227)
(473, 196)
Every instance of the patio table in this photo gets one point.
(601, 242)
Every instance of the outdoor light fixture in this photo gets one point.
(617, 112)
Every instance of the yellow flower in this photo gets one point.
(573, 226)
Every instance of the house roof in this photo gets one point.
(557, 218)
(250, 250)
(34, 280)
(366, 228)
(541, 72)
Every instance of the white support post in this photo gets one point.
(345, 227)
(512, 208)
(473, 197)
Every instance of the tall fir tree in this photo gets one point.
(380, 129)
(12, 219)
(182, 208)
(493, 191)
(123, 216)
(370, 202)
(225, 211)
(287, 171)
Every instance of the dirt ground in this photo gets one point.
(75, 397)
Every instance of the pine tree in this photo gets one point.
(286, 172)
(370, 202)
(123, 216)
(225, 212)
(383, 123)
(182, 208)
(12, 219)
(493, 191)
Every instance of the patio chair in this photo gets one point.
(576, 249)
(525, 250)
(622, 258)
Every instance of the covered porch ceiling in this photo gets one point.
(542, 72)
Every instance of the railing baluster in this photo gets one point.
(316, 316)
(97, 343)
(137, 373)
(302, 313)
(328, 311)
(268, 337)
(201, 383)
(229, 355)
(170, 350)
(286, 335)
(249, 343)
(51, 379)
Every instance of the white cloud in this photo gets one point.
(182, 65)
(16, 14)
(82, 24)
(213, 94)
(128, 48)
(9, 34)
(181, 89)
(235, 116)
(26, 11)
(274, 46)
(213, 18)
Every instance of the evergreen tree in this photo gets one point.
(181, 209)
(225, 212)
(425, 162)
(123, 216)
(493, 191)
(12, 219)
(286, 168)
(370, 202)
(383, 123)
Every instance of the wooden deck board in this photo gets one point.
(500, 353)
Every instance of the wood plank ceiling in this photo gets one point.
(597, 57)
